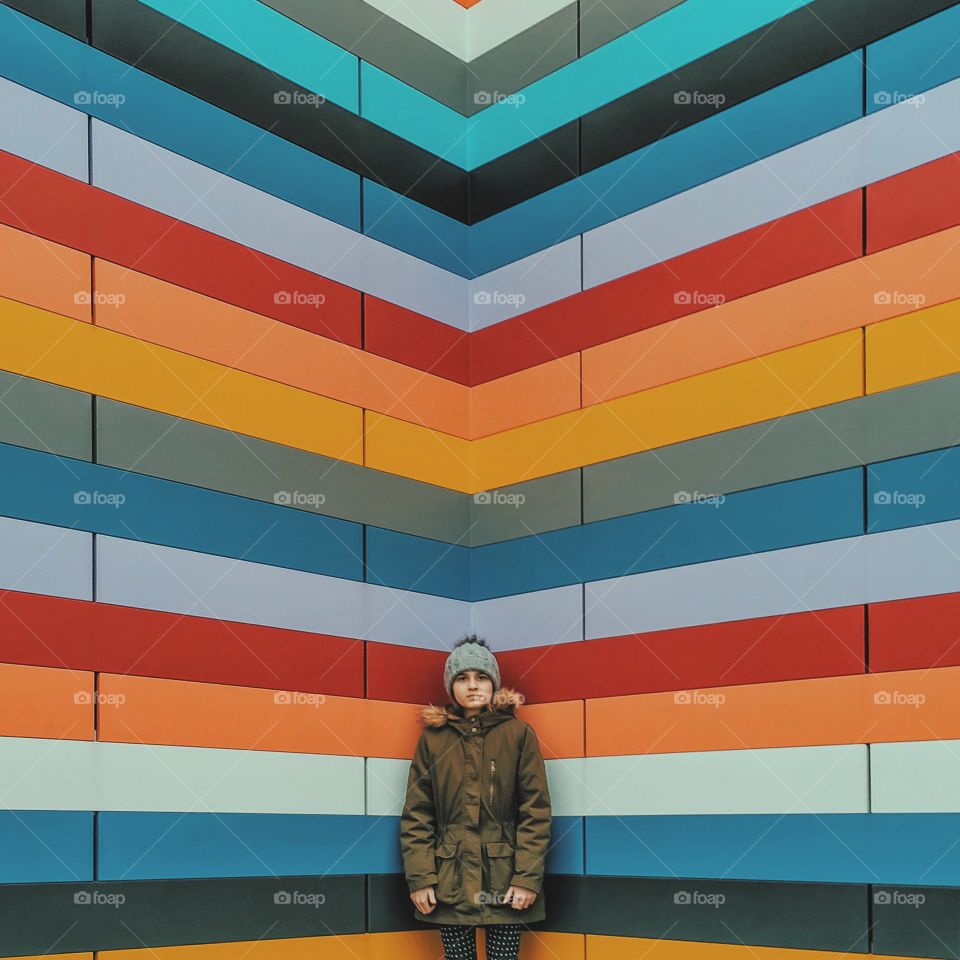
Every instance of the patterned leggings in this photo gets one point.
(460, 942)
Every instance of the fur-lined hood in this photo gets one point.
(505, 700)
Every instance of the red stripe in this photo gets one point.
(59, 208)
(918, 633)
(824, 643)
(416, 341)
(80, 635)
(915, 634)
(913, 204)
(803, 243)
(51, 205)
(407, 674)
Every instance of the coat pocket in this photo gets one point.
(448, 871)
(500, 856)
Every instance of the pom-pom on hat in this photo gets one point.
(470, 653)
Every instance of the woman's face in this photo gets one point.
(473, 689)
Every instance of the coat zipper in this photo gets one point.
(493, 770)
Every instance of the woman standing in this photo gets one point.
(476, 822)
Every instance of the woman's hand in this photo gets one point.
(424, 899)
(519, 897)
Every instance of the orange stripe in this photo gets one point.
(159, 312)
(56, 278)
(906, 705)
(44, 274)
(46, 702)
(640, 948)
(410, 945)
(185, 713)
(813, 307)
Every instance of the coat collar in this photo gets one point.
(502, 707)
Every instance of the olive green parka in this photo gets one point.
(476, 819)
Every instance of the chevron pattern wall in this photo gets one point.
(623, 333)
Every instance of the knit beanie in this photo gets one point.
(470, 656)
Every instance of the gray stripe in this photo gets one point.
(895, 423)
(148, 442)
(403, 53)
(604, 20)
(43, 416)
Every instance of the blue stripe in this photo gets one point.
(812, 104)
(64, 69)
(809, 510)
(901, 848)
(408, 562)
(59, 67)
(915, 490)
(913, 60)
(46, 846)
(652, 50)
(416, 229)
(45, 488)
(159, 846)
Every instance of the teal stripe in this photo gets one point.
(658, 47)
(670, 41)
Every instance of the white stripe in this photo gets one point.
(915, 562)
(793, 580)
(468, 33)
(831, 779)
(896, 139)
(188, 191)
(921, 777)
(43, 131)
(134, 574)
(40, 774)
(531, 619)
(36, 558)
(776, 780)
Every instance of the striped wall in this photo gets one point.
(625, 333)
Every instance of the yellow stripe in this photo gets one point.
(917, 346)
(631, 948)
(60, 350)
(410, 945)
(800, 378)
